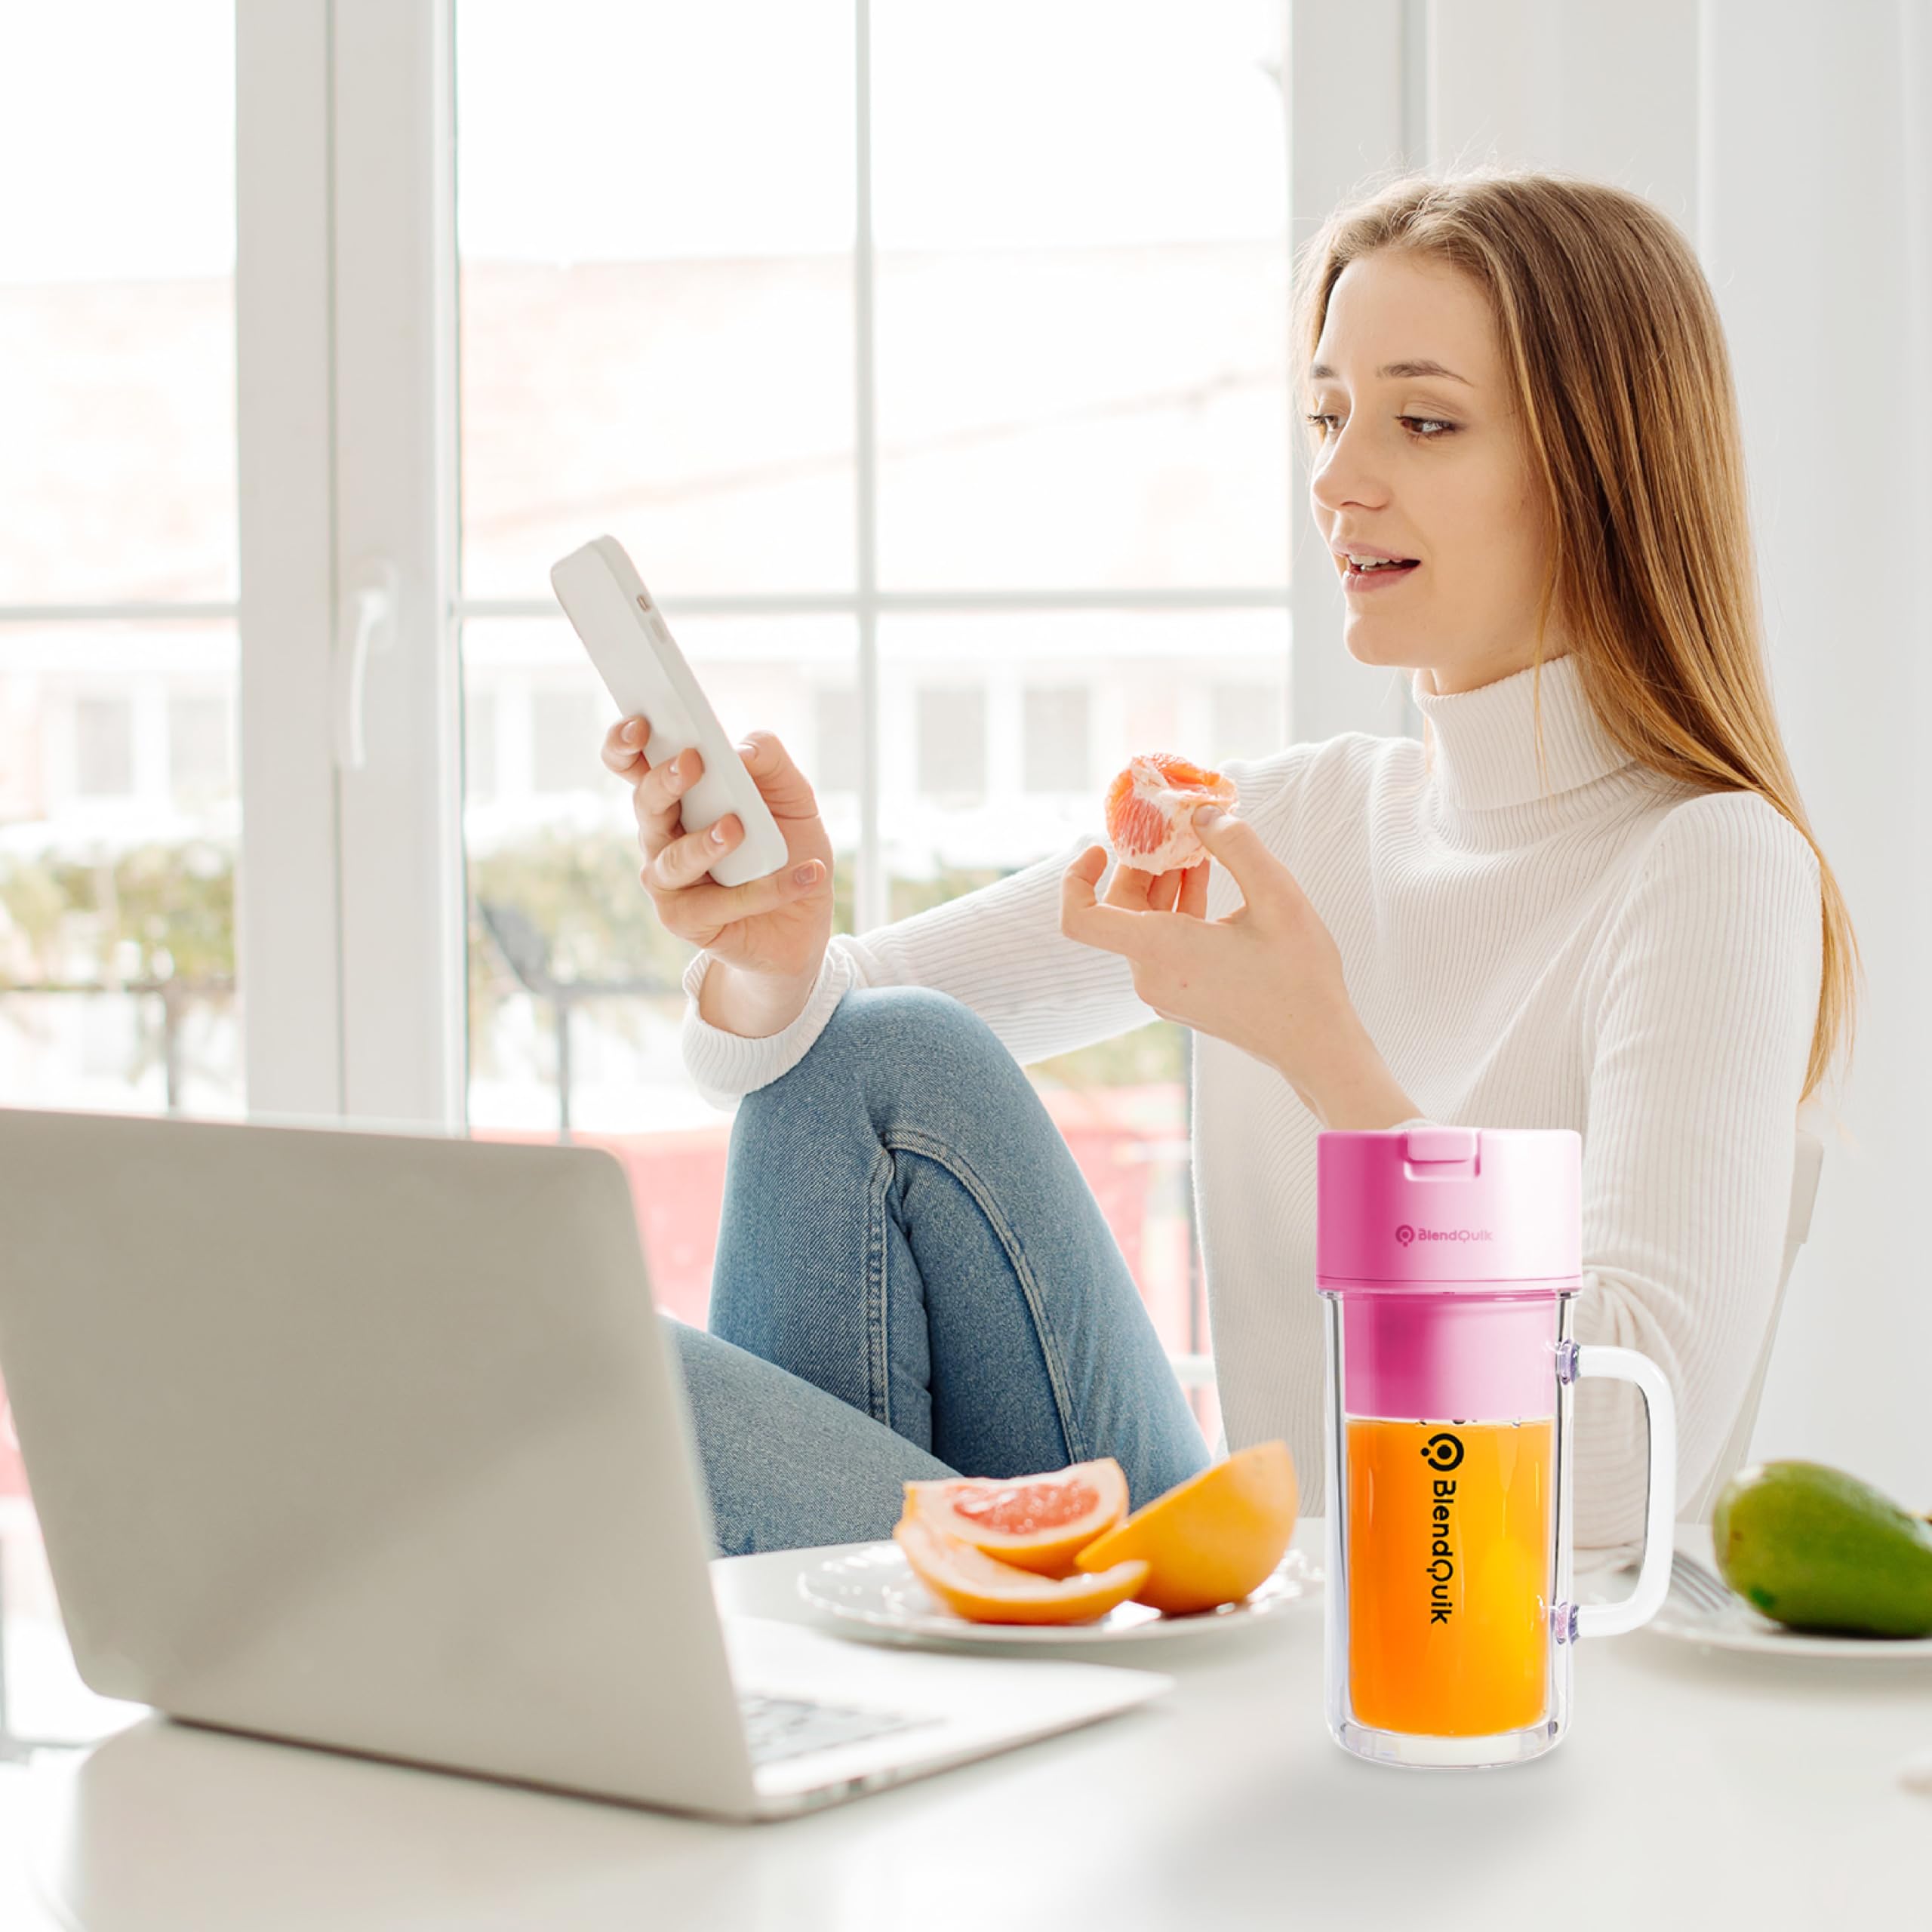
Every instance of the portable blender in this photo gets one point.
(1447, 1258)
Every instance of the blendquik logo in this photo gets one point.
(1404, 1234)
(1441, 1452)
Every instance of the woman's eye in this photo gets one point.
(1422, 429)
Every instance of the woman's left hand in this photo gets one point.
(1266, 978)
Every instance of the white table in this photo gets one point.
(1696, 1787)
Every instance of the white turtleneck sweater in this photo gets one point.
(1590, 947)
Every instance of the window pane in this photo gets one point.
(565, 725)
(1250, 719)
(117, 333)
(1057, 722)
(479, 747)
(119, 826)
(1066, 698)
(558, 920)
(655, 222)
(952, 744)
(1083, 322)
(1053, 704)
(837, 748)
(200, 752)
(103, 747)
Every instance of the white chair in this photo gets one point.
(1804, 1191)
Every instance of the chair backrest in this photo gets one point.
(1803, 1191)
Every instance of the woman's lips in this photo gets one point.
(1359, 582)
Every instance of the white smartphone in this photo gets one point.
(644, 670)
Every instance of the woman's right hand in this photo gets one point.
(772, 933)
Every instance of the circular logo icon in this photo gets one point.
(1443, 1451)
(1405, 1234)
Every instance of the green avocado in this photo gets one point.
(1816, 1549)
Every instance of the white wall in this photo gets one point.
(1793, 140)
(1816, 230)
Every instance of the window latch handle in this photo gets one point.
(368, 624)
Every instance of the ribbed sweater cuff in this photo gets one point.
(726, 1066)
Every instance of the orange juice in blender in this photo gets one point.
(1449, 1566)
(1447, 1260)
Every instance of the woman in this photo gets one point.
(1588, 899)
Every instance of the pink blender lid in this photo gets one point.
(1415, 1206)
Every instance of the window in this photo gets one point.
(103, 747)
(1247, 721)
(118, 825)
(479, 745)
(1008, 464)
(1056, 722)
(565, 727)
(200, 766)
(951, 727)
(838, 752)
(656, 323)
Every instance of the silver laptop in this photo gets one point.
(370, 1440)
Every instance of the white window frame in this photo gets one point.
(352, 924)
(352, 919)
(351, 913)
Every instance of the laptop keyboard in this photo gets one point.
(780, 1727)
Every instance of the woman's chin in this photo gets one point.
(1378, 645)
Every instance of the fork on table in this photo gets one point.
(1694, 1583)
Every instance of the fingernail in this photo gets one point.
(717, 835)
(805, 875)
(745, 748)
(1206, 814)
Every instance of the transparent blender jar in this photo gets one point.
(1447, 1261)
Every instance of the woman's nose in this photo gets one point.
(1345, 472)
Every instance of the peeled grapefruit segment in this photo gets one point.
(973, 1585)
(1150, 811)
(1213, 1538)
(1037, 1523)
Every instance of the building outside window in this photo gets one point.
(103, 747)
(1056, 731)
(952, 745)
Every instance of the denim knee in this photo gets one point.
(878, 1038)
(919, 1018)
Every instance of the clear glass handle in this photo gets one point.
(1612, 1619)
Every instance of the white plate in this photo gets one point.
(1738, 1627)
(873, 1589)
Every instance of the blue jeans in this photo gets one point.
(913, 1281)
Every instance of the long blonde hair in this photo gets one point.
(1624, 390)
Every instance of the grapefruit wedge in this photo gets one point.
(973, 1586)
(1039, 1523)
(1211, 1539)
(1150, 811)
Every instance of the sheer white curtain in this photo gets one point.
(1792, 140)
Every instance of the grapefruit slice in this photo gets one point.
(973, 1585)
(1211, 1539)
(1150, 811)
(1037, 1523)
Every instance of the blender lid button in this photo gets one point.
(1439, 1143)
